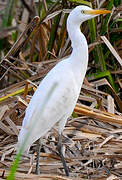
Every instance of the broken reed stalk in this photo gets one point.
(79, 109)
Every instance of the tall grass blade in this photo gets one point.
(62, 34)
(105, 24)
(9, 12)
(16, 161)
(53, 33)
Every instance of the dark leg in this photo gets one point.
(38, 156)
(61, 155)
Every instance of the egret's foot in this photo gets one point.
(61, 155)
(37, 171)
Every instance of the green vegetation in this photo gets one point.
(52, 36)
(26, 42)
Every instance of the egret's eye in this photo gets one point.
(82, 11)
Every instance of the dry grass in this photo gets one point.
(92, 139)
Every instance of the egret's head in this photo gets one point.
(83, 13)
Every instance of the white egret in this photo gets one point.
(69, 74)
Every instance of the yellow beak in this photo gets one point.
(96, 12)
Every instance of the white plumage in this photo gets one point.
(69, 75)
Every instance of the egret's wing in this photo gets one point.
(59, 105)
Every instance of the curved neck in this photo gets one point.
(79, 43)
(79, 55)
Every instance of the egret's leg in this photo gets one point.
(38, 156)
(61, 155)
